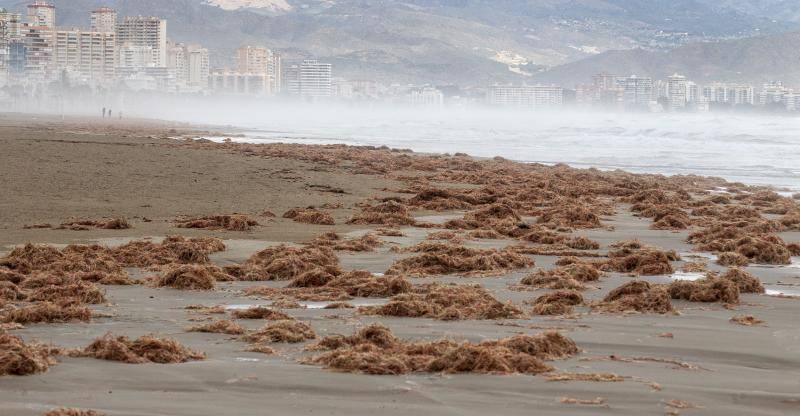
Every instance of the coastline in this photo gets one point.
(88, 169)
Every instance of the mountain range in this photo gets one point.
(483, 41)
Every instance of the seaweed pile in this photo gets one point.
(71, 411)
(568, 276)
(220, 326)
(145, 349)
(316, 285)
(20, 359)
(99, 224)
(309, 215)
(442, 259)
(286, 263)
(367, 242)
(173, 249)
(375, 350)
(227, 222)
(286, 331)
(189, 277)
(389, 213)
(636, 296)
(445, 302)
(560, 302)
(634, 257)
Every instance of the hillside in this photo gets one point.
(757, 59)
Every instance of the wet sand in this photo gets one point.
(53, 172)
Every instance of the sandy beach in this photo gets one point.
(691, 360)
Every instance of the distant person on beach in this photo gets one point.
(104, 112)
(109, 113)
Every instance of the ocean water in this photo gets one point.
(760, 150)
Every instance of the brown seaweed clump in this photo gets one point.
(78, 291)
(190, 277)
(261, 312)
(636, 258)
(441, 259)
(145, 349)
(173, 249)
(289, 331)
(365, 243)
(560, 302)
(708, 289)
(732, 258)
(747, 320)
(220, 326)
(746, 282)
(575, 216)
(47, 312)
(101, 224)
(750, 240)
(389, 213)
(569, 276)
(18, 358)
(228, 222)
(309, 216)
(64, 411)
(375, 350)
(445, 302)
(286, 263)
(636, 296)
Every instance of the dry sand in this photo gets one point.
(54, 169)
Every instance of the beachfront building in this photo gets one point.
(42, 14)
(730, 94)
(145, 33)
(88, 54)
(190, 64)
(228, 82)
(526, 96)
(10, 33)
(260, 60)
(427, 97)
(104, 19)
(638, 92)
(677, 92)
(311, 79)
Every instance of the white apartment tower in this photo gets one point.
(104, 19)
(638, 91)
(310, 79)
(677, 92)
(527, 96)
(147, 32)
(42, 14)
(87, 53)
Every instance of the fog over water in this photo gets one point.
(754, 149)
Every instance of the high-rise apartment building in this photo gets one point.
(89, 54)
(638, 91)
(310, 79)
(427, 97)
(677, 92)
(190, 64)
(259, 60)
(104, 19)
(731, 94)
(147, 32)
(527, 96)
(42, 14)
(10, 31)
